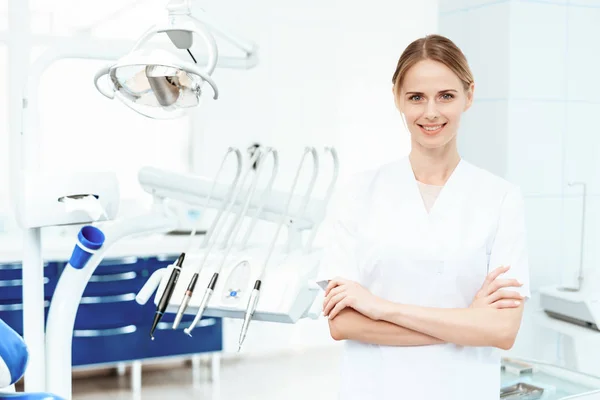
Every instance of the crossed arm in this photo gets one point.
(352, 325)
(493, 319)
(406, 325)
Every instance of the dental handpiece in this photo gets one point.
(186, 300)
(252, 303)
(230, 240)
(254, 296)
(190, 290)
(309, 190)
(212, 189)
(328, 195)
(166, 296)
(266, 192)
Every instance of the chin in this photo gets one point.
(433, 142)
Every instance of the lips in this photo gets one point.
(431, 130)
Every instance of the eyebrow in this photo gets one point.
(441, 91)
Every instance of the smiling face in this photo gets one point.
(432, 99)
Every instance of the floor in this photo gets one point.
(310, 374)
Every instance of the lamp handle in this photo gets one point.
(102, 89)
(190, 68)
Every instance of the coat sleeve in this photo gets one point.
(510, 243)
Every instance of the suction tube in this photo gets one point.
(89, 240)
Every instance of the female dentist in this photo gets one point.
(427, 269)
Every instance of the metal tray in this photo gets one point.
(521, 391)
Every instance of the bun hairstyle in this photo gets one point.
(437, 48)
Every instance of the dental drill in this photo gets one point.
(215, 231)
(254, 296)
(190, 289)
(233, 232)
(166, 296)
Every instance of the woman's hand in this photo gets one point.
(491, 295)
(342, 293)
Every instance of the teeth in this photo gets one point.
(432, 128)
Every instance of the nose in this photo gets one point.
(431, 112)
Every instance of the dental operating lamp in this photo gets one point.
(152, 81)
(158, 84)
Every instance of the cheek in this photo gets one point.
(452, 113)
(412, 114)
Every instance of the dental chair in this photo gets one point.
(13, 362)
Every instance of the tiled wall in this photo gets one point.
(537, 100)
(535, 67)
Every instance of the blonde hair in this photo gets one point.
(437, 48)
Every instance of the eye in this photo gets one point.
(415, 97)
(447, 96)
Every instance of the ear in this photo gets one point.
(470, 94)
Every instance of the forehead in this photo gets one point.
(430, 76)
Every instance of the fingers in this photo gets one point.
(502, 304)
(504, 295)
(502, 283)
(332, 292)
(494, 274)
(339, 307)
(333, 283)
(333, 302)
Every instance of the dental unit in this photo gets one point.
(284, 279)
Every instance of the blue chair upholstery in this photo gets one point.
(13, 356)
(13, 362)
(28, 396)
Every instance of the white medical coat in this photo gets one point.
(384, 239)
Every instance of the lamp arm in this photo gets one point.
(248, 47)
(179, 7)
(146, 36)
(184, 7)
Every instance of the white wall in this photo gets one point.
(536, 84)
(324, 79)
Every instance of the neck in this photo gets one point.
(434, 166)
